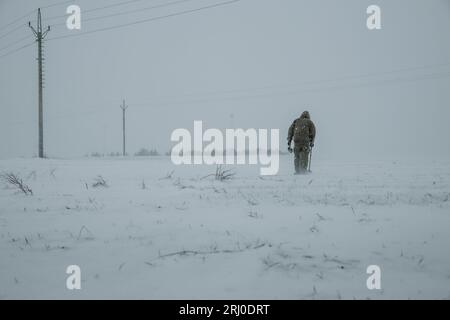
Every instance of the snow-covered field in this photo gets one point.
(152, 235)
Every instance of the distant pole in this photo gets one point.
(232, 120)
(40, 36)
(123, 107)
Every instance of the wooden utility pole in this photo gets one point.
(40, 36)
(123, 107)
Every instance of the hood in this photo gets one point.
(305, 115)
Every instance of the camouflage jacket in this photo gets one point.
(302, 131)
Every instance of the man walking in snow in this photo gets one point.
(303, 132)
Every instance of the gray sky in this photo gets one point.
(263, 61)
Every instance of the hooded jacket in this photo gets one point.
(302, 131)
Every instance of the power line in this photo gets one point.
(16, 50)
(240, 98)
(295, 92)
(12, 31)
(306, 83)
(207, 7)
(33, 12)
(147, 20)
(130, 11)
(97, 9)
(16, 42)
(112, 5)
(123, 25)
(17, 20)
(383, 82)
(430, 76)
(57, 4)
(59, 16)
(127, 24)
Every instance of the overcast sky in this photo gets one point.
(382, 94)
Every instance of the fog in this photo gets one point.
(380, 94)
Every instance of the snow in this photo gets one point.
(153, 235)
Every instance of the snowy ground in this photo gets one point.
(281, 237)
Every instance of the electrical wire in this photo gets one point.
(185, 12)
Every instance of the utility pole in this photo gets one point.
(123, 107)
(40, 36)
